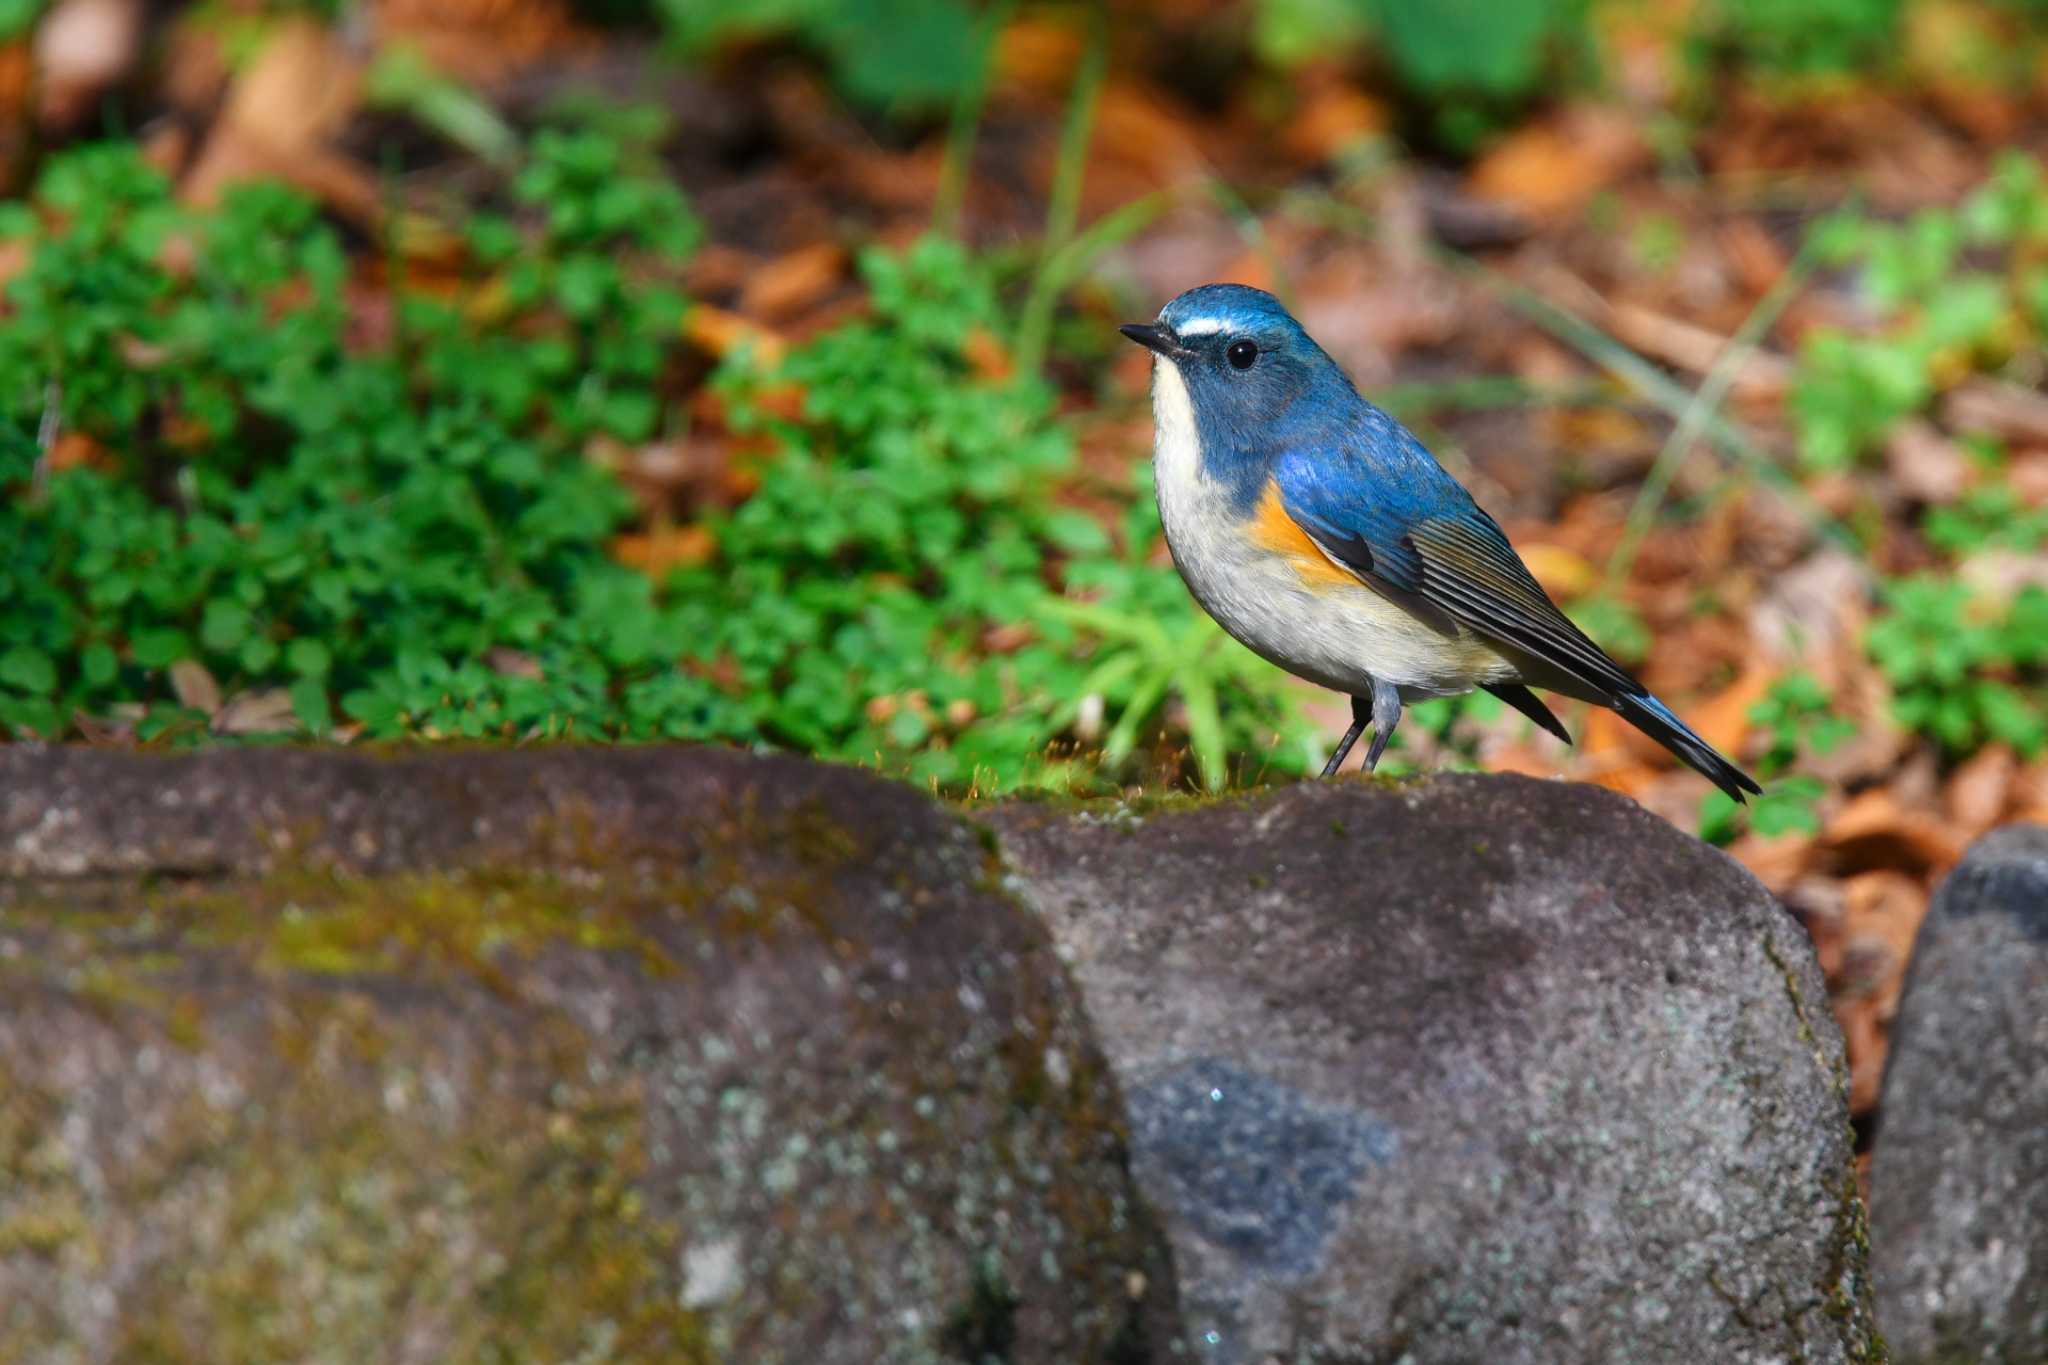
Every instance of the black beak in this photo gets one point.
(1153, 338)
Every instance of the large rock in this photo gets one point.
(1959, 1184)
(603, 1056)
(1484, 1069)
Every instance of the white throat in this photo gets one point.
(1176, 445)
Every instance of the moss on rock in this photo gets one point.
(600, 1056)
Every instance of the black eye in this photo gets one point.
(1242, 354)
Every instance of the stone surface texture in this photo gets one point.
(691, 1056)
(1959, 1183)
(679, 1056)
(1478, 1069)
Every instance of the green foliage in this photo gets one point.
(1488, 50)
(18, 16)
(359, 529)
(1965, 670)
(406, 535)
(1942, 311)
(1989, 516)
(1952, 293)
(1290, 33)
(897, 56)
(1795, 718)
(903, 525)
(1465, 66)
(1792, 38)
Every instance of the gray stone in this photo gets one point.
(1480, 1069)
(574, 1055)
(1959, 1181)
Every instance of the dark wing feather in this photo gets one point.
(1470, 570)
(1378, 553)
(1438, 555)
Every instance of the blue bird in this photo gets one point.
(1320, 533)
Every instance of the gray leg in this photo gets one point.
(1386, 714)
(1360, 714)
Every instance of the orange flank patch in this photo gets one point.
(1272, 529)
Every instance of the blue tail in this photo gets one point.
(1656, 720)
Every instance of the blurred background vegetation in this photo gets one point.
(746, 370)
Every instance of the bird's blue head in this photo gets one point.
(1255, 380)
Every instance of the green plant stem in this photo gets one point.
(965, 127)
(1071, 262)
(1659, 389)
(402, 78)
(1063, 210)
(46, 439)
(1624, 364)
(1703, 407)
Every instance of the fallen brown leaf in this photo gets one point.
(1038, 54)
(793, 282)
(1865, 1039)
(2026, 473)
(1875, 832)
(482, 42)
(1551, 168)
(268, 712)
(656, 552)
(1133, 127)
(1995, 408)
(513, 663)
(75, 450)
(195, 66)
(1756, 257)
(1335, 117)
(718, 333)
(1723, 720)
(1563, 573)
(1924, 464)
(1981, 786)
(282, 112)
(194, 686)
(716, 268)
(2029, 799)
(988, 356)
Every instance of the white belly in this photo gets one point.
(1340, 636)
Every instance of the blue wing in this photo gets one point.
(1412, 532)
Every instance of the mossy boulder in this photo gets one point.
(574, 1055)
(1475, 1069)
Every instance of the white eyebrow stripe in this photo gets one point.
(1200, 327)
